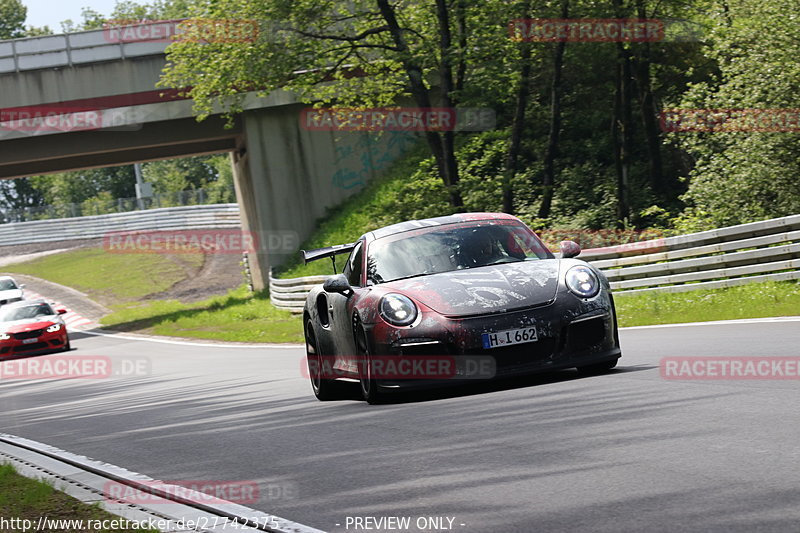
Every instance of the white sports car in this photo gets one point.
(10, 292)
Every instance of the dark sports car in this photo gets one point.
(474, 287)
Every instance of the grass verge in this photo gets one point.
(757, 300)
(108, 278)
(24, 502)
(235, 317)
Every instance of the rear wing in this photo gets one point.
(330, 251)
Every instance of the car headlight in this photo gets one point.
(54, 328)
(398, 309)
(582, 281)
(4, 336)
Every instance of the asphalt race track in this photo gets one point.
(626, 451)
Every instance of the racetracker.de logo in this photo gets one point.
(586, 30)
(606, 240)
(210, 241)
(396, 367)
(730, 368)
(75, 367)
(397, 119)
(51, 118)
(199, 30)
(730, 120)
(167, 492)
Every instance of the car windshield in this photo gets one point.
(7, 285)
(451, 248)
(23, 313)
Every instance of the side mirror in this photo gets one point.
(338, 284)
(61, 311)
(569, 249)
(22, 286)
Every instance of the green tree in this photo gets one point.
(365, 53)
(174, 175)
(12, 19)
(743, 176)
(127, 11)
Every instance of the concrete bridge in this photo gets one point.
(89, 99)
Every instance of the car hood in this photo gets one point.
(10, 294)
(29, 324)
(483, 290)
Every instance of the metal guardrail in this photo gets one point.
(759, 251)
(290, 294)
(119, 205)
(93, 227)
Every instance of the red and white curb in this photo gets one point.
(72, 320)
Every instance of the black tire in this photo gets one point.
(369, 386)
(596, 369)
(68, 345)
(325, 389)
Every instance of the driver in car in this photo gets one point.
(482, 249)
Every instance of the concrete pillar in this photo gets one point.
(287, 177)
(248, 212)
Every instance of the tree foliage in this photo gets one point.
(578, 141)
(12, 19)
(742, 176)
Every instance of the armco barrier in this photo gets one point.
(290, 294)
(216, 216)
(759, 251)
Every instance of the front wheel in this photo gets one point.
(67, 346)
(324, 387)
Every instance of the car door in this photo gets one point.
(341, 310)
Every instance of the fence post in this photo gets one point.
(248, 277)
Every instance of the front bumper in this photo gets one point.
(44, 343)
(571, 332)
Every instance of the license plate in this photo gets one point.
(509, 337)
(29, 341)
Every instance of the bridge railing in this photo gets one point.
(217, 216)
(760, 251)
(48, 51)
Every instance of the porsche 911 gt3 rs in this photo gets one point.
(480, 286)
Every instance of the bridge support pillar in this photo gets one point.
(248, 213)
(288, 175)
